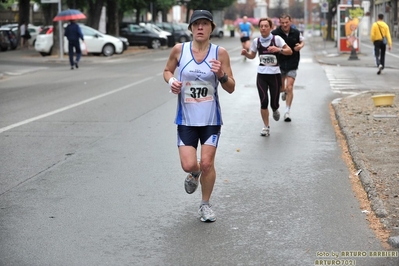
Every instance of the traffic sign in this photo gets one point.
(49, 1)
(324, 7)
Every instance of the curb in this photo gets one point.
(377, 204)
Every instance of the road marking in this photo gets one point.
(72, 106)
(24, 71)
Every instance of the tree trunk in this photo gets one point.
(94, 13)
(113, 21)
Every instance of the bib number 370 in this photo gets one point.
(198, 92)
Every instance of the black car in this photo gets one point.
(179, 30)
(8, 39)
(125, 42)
(141, 36)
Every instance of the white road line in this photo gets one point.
(71, 106)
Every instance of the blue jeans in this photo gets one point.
(71, 46)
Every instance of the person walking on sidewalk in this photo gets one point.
(73, 33)
(289, 63)
(380, 36)
(269, 75)
(245, 29)
(24, 35)
(201, 67)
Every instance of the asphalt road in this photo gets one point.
(89, 173)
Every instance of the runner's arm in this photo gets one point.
(221, 67)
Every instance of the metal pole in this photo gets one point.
(60, 30)
(305, 7)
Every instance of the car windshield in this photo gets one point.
(135, 28)
(177, 27)
(89, 31)
(154, 28)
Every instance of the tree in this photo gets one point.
(296, 10)
(332, 11)
(24, 10)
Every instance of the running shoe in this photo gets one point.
(284, 96)
(379, 69)
(265, 132)
(191, 183)
(206, 213)
(276, 115)
(287, 117)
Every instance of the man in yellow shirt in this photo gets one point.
(380, 36)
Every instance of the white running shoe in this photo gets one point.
(265, 132)
(191, 183)
(276, 115)
(206, 213)
(287, 117)
(284, 96)
(379, 69)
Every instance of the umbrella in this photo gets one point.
(69, 14)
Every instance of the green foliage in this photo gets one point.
(210, 4)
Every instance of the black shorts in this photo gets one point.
(244, 39)
(189, 136)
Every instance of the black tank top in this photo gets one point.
(267, 58)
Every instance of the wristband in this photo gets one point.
(171, 80)
(223, 79)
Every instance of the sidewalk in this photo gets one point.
(327, 53)
(369, 132)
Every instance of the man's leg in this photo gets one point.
(378, 53)
(78, 53)
(70, 53)
(382, 55)
(289, 97)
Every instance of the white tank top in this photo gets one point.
(198, 101)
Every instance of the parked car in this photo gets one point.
(125, 42)
(96, 42)
(179, 30)
(139, 35)
(4, 41)
(9, 37)
(33, 31)
(218, 32)
(163, 33)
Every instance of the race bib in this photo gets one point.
(268, 59)
(198, 91)
(244, 34)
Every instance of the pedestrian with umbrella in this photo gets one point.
(73, 33)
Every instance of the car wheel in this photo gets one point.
(183, 39)
(108, 49)
(220, 35)
(154, 44)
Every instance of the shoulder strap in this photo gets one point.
(380, 30)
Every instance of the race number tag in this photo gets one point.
(198, 91)
(268, 59)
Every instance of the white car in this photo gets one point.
(96, 42)
(33, 31)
